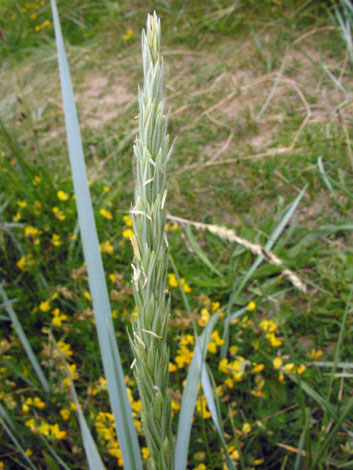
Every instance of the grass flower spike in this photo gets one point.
(152, 151)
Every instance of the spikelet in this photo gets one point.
(148, 341)
(230, 235)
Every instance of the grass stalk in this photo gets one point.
(149, 338)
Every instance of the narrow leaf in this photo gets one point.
(109, 349)
(199, 251)
(23, 338)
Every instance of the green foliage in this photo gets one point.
(221, 65)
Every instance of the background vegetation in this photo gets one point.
(261, 97)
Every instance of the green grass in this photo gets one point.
(215, 60)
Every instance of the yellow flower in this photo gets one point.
(128, 35)
(66, 381)
(223, 366)
(17, 217)
(106, 247)
(58, 214)
(315, 354)
(21, 264)
(87, 295)
(73, 406)
(258, 367)
(145, 453)
(44, 306)
(216, 306)
(106, 214)
(58, 317)
(65, 413)
(28, 452)
(172, 367)
(234, 453)
(30, 423)
(106, 188)
(36, 180)
(55, 240)
(65, 349)
(268, 325)
(72, 369)
(258, 461)
(289, 367)
(201, 407)
(44, 428)
(275, 342)
(56, 433)
(175, 405)
(112, 277)
(301, 369)
(186, 287)
(186, 339)
(128, 221)
(173, 280)
(251, 306)
(201, 466)
(62, 196)
(205, 316)
(128, 233)
(277, 362)
(30, 233)
(38, 403)
(229, 382)
(22, 204)
(246, 428)
(56, 321)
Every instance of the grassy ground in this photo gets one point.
(257, 95)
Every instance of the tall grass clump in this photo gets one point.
(149, 337)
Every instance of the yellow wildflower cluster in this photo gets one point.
(200, 466)
(106, 214)
(173, 282)
(128, 35)
(233, 452)
(65, 414)
(51, 431)
(315, 354)
(35, 402)
(21, 205)
(205, 311)
(106, 247)
(234, 369)
(289, 367)
(169, 227)
(184, 355)
(269, 327)
(72, 371)
(44, 25)
(31, 233)
(59, 215)
(62, 196)
(128, 232)
(55, 240)
(214, 342)
(58, 317)
(98, 386)
(25, 262)
(65, 349)
(105, 427)
(201, 407)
